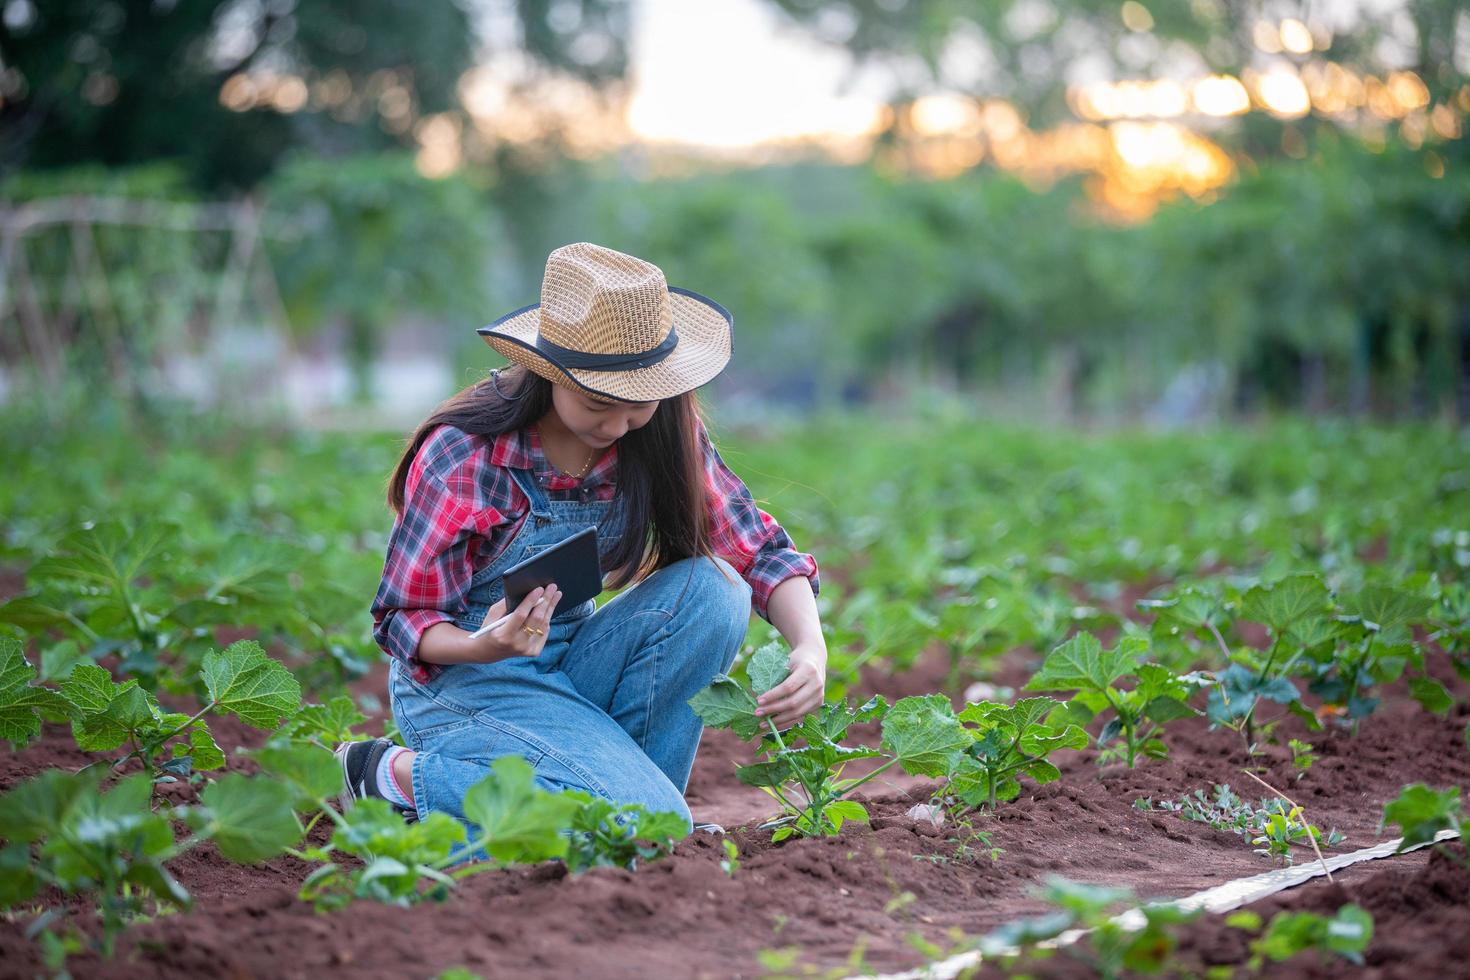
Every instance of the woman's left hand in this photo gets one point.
(801, 692)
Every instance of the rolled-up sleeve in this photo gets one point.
(429, 564)
(747, 537)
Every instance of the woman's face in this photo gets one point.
(598, 424)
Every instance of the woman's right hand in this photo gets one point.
(523, 634)
(445, 643)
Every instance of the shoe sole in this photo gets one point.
(346, 798)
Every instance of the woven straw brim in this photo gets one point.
(704, 328)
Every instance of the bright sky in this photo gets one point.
(724, 73)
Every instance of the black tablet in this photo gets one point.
(571, 563)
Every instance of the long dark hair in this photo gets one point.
(660, 481)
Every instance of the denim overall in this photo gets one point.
(603, 707)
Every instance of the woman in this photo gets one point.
(596, 424)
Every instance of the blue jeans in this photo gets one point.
(601, 709)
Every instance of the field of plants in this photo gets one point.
(1070, 673)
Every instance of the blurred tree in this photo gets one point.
(1028, 51)
(227, 86)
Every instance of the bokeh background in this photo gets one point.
(1166, 211)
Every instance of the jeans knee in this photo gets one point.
(722, 595)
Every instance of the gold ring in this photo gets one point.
(532, 630)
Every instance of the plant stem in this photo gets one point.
(1224, 649)
(869, 776)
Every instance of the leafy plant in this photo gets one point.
(1345, 934)
(143, 589)
(1008, 741)
(1158, 695)
(1303, 755)
(1270, 825)
(808, 760)
(519, 823)
(1109, 947)
(606, 834)
(239, 680)
(1296, 609)
(730, 863)
(1420, 813)
(105, 715)
(63, 831)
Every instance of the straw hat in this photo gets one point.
(610, 324)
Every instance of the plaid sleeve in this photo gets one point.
(748, 537)
(427, 572)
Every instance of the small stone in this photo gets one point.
(985, 691)
(927, 812)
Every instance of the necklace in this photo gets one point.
(586, 466)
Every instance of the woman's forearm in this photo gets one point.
(445, 643)
(792, 609)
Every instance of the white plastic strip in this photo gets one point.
(1222, 898)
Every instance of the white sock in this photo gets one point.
(388, 783)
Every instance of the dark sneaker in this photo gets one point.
(360, 774)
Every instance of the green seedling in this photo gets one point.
(1108, 948)
(1420, 813)
(807, 761)
(1374, 644)
(1157, 696)
(730, 863)
(1007, 742)
(1272, 825)
(802, 767)
(518, 822)
(1297, 611)
(1302, 756)
(1346, 935)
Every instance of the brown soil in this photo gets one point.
(875, 886)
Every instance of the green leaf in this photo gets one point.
(20, 701)
(1314, 631)
(18, 879)
(1386, 609)
(331, 722)
(33, 614)
(924, 734)
(1349, 932)
(1083, 900)
(155, 878)
(1166, 709)
(203, 749)
(106, 714)
(1431, 694)
(244, 681)
(725, 704)
(1422, 812)
(89, 688)
(1081, 664)
(523, 822)
(312, 772)
(1189, 608)
(1286, 602)
(58, 660)
(844, 810)
(1043, 772)
(768, 667)
(35, 809)
(251, 819)
(774, 773)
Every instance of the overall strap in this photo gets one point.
(540, 505)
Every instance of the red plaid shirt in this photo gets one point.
(461, 508)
